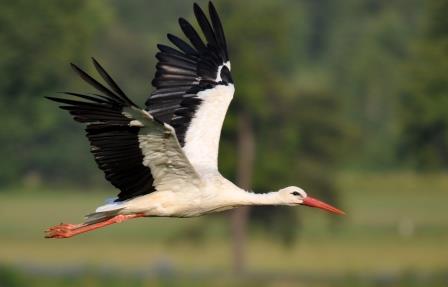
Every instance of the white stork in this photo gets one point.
(163, 158)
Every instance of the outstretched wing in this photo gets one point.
(194, 88)
(137, 153)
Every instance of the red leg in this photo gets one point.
(69, 230)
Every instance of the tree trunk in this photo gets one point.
(239, 217)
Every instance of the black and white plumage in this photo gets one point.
(163, 159)
(113, 139)
(194, 87)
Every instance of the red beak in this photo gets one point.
(312, 202)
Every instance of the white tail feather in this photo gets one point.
(110, 206)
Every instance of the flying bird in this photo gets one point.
(164, 158)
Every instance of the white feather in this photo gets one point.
(110, 206)
(202, 137)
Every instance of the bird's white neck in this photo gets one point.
(270, 198)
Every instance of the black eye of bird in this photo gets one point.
(295, 193)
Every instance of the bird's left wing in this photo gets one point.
(194, 88)
(137, 153)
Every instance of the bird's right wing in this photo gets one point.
(194, 87)
(137, 153)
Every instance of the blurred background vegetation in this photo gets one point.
(347, 99)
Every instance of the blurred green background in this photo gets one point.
(346, 99)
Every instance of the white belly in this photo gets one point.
(212, 197)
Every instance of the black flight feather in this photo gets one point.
(114, 143)
(192, 35)
(205, 25)
(111, 82)
(191, 68)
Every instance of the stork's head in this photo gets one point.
(293, 195)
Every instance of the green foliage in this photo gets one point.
(298, 126)
(36, 43)
(368, 44)
(281, 50)
(425, 101)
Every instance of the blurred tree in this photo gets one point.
(308, 145)
(297, 124)
(245, 167)
(259, 55)
(368, 43)
(425, 101)
(36, 42)
(352, 50)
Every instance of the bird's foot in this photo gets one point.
(63, 230)
(64, 226)
(68, 230)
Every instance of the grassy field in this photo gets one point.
(396, 226)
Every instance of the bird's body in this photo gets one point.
(213, 193)
(210, 195)
(164, 158)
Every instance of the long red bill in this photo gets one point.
(312, 202)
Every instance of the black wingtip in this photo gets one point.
(60, 93)
(169, 36)
(197, 9)
(96, 64)
(185, 26)
(182, 21)
(57, 100)
(94, 61)
(100, 69)
(172, 38)
(76, 68)
(211, 5)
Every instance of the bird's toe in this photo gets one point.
(58, 233)
(62, 230)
